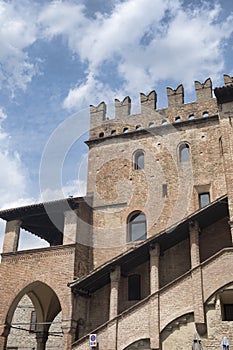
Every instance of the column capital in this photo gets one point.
(154, 249)
(193, 225)
(115, 273)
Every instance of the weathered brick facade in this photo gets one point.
(150, 293)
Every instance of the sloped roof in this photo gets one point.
(39, 218)
(136, 256)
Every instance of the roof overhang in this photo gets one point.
(207, 216)
(45, 220)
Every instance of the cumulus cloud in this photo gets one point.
(146, 42)
(137, 43)
(17, 33)
(13, 177)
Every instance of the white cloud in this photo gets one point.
(147, 41)
(13, 177)
(73, 188)
(17, 32)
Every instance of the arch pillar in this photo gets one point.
(115, 280)
(197, 284)
(41, 339)
(4, 336)
(11, 237)
(68, 330)
(154, 300)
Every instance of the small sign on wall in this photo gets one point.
(93, 340)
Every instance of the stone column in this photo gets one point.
(68, 329)
(197, 286)
(115, 279)
(41, 339)
(11, 238)
(194, 243)
(154, 300)
(5, 331)
(70, 227)
(154, 268)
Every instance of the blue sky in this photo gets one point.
(58, 57)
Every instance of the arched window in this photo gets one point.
(205, 114)
(138, 127)
(177, 120)
(134, 287)
(125, 130)
(164, 122)
(184, 153)
(137, 226)
(151, 124)
(191, 117)
(101, 134)
(139, 160)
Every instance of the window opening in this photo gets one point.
(220, 146)
(125, 130)
(101, 134)
(191, 117)
(164, 122)
(164, 190)
(205, 114)
(138, 127)
(113, 132)
(33, 321)
(151, 125)
(139, 160)
(137, 227)
(134, 287)
(177, 120)
(204, 199)
(184, 153)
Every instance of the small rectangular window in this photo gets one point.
(164, 190)
(204, 199)
(33, 321)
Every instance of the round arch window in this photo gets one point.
(184, 153)
(139, 160)
(137, 226)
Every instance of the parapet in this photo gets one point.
(177, 111)
(122, 109)
(227, 80)
(97, 114)
(175, 97)
(203, 91)
(148, 101)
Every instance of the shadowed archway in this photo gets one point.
(46, 305)
(142, 344)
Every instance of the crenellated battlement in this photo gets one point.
(177, 111)
(203, 91)
(175, 97)
(122, 109)
(227, 80)
(148, 101)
